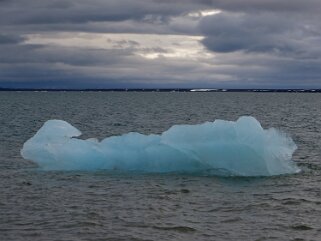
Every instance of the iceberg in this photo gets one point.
(228, 148)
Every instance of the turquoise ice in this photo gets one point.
(239, 148)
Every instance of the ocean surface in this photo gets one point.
(107, 205)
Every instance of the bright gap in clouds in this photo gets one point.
(149, 46)
(209, 12)
(204, 13)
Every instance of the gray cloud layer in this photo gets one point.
(260, 32)
(266, 43)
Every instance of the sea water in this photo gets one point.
(114, 204)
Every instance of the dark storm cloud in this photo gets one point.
(259, 32)
(10, 39)
(267, 5)
(82, 11)
(267, 43)
(112, 16)
(38, 54)
(281, 42)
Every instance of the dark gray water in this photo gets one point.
(39, 205)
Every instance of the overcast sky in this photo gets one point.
(160, 43)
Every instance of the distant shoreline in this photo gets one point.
(164, 90)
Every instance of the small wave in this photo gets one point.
(183, 229)
(301, 227)
(227, 148)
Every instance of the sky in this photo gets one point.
(160, 43)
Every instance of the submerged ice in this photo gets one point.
(241, 148)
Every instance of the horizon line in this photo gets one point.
(169, 89)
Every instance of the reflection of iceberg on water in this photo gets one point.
(241, 148)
